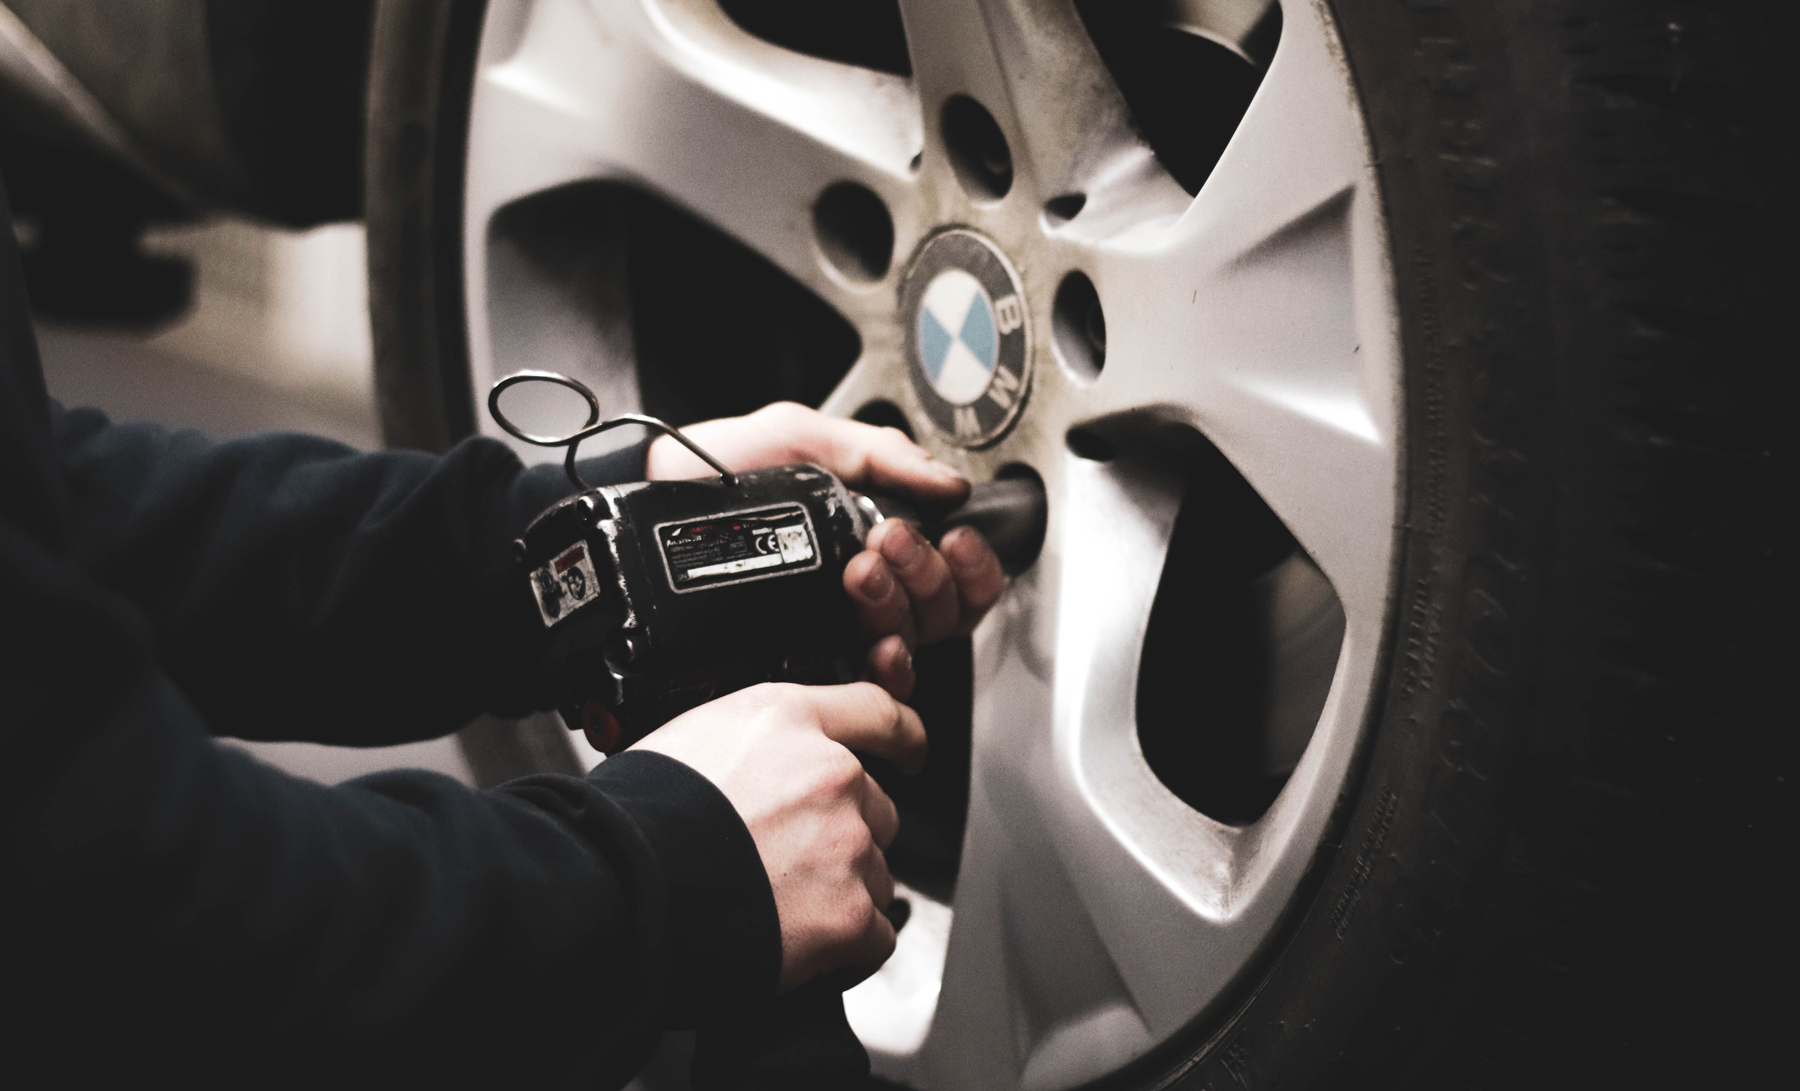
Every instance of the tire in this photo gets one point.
(1550, 859)
(422, 58)
(1578, 702)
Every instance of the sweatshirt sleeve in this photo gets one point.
(173, 908)
(297, 589)
(174, 905)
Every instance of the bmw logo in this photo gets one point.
(966, 336)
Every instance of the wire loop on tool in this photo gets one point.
(589, 429)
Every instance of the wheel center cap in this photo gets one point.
(966, 336)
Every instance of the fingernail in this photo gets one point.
(901, 547)
(878, 583)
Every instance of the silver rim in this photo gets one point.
(1096, 914)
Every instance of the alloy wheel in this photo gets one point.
(1150, 350)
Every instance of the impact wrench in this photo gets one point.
(662, 595)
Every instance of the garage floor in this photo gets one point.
(133, 378)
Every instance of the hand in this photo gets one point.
(906, 592)
(782, 756)
(864, 456)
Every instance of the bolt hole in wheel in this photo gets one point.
(1089, 446)
(885, 414)
(980, 226)
(864, 33)
(1060, 210)
(1184, 53)
(855, 231)
(977, 148)
(1080, 327)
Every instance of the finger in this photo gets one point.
(667, 460)
(775, 434)
(891, 666)
(884, 458)
(925, 575)
(877, 941)
(881, 603)
(880, 815)
(737, 441)
(862, 454)
(976, 570)
(865, 717)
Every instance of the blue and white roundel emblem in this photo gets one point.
(957, 343)
(966, 340)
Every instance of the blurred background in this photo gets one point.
(186, 178)
(275, 336)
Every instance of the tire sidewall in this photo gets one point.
(1489, 908)
(421, 83)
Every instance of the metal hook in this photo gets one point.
(590, 429)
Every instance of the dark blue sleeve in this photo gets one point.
(171, 907)
(176, 903)
(297, 589)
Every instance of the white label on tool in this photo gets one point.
(737, 546)
(566, 584)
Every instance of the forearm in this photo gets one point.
(207, 902)
(300, 590)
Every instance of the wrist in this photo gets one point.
(724, 948)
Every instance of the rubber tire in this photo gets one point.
(420, 76)
(421, 68)
(1557, 867)
(1554, 864)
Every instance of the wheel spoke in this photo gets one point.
(1034, 994)
(1231, 23)
(1031, 63)
(1095, 912)
(673, 97)
(1263, 318)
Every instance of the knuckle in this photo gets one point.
(784, 411)
(837, 777)
(885, 944)
(851, 841)
(856, 920)
(844, 774)
(868, 853)
(786, 696)
(769, 698)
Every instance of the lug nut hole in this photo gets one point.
(1060, 210)
(885, 414)
(977, 148)
(1086, 444)
(1078, 325)
(855, 231)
